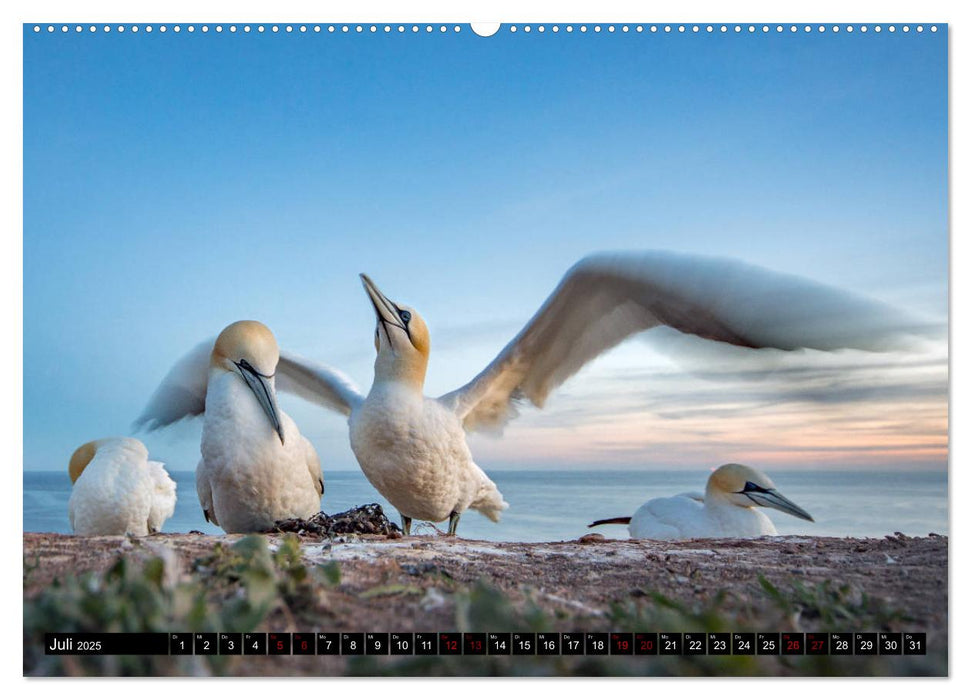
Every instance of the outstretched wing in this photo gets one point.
(182, 392)
(605, 298)
(317, 383)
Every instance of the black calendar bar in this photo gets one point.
(489, 643)
(93, 643)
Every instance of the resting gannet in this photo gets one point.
(256, 467)
(413, 448)
(726, 510)
(117, 489)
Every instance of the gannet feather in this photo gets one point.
(606, 298)
(317, 383)
(182, 392)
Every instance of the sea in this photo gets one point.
(547, 506)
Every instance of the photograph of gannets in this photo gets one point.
(525, 335)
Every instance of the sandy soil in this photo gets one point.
(423, 583)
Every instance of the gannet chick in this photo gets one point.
(256, 467)
(118, 490)
(413, 448)
(728, 509)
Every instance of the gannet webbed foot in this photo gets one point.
(453, 523)
(406, 525)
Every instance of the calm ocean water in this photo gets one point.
(550, 506)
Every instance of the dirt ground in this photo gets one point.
(437, 583)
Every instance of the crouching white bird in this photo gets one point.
(727, 509)
(413, 448)
(118, 490)
(256, 467)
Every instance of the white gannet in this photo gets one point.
(117, 489)
(256, 467)
(727, 509)
(413, 448)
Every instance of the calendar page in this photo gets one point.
(426, 348)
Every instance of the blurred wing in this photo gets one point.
(317, 383)
(606, 298)
(182, 392)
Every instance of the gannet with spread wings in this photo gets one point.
(413, 448)
(256, 467)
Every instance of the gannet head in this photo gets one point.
(400, 338)
(81, 458)
(748, 487)
(248, 348)
(85, 453)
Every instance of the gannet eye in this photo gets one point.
(405, 316)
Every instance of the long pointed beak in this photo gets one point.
(264, 394)
(770, 498)
(384, 308)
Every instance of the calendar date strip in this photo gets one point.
(489, 643)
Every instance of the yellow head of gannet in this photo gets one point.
(82, 458)
(748, 487)
(401, 340)
(249, 349)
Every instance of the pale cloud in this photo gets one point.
(865, 410)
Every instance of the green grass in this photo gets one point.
(234, 589)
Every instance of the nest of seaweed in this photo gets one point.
(364, 520)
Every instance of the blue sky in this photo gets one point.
(176, 183)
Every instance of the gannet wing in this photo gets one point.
(676, 517)
(693, 495)
(313, 466)
(317, 383)
(607, 297)
(204, 491)
(182, 392)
